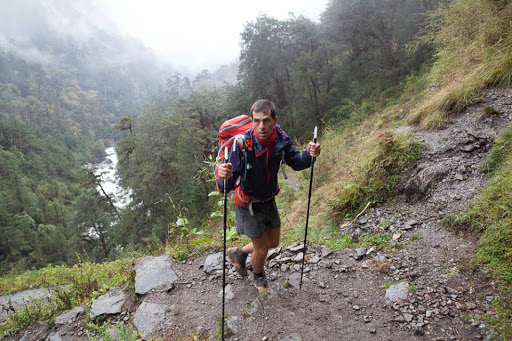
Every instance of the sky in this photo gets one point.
(198, 34)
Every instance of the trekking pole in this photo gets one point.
(307, 214)
(224, 252)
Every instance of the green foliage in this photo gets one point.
(489, 111)
(87, 280)
(381, 176)
(181, 237)
(369, 38)
(498, 152)
(109, 332)
(338, 242)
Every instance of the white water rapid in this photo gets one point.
(110, 181)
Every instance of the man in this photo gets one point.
(256, 166)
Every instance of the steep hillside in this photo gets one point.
(416, 283)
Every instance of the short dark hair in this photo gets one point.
(264, 105)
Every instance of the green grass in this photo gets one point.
(491, 215)
(380, 176)
(489, 111)
(124, 332)
(499, 152)
(72, 286)
(473, 45)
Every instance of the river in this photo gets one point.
(110, 181)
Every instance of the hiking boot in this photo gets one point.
(238, 257)
(260, 282)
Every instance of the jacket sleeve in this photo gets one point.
(296, 159)
(235, 158)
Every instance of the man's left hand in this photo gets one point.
(314, 149)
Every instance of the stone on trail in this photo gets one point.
(294, 280)
(213, 263)
(108, 303)
(54, 337)
(397, 293)
(273, 253)
(296, 248)
(419, 184)
(298, 257)
(360, 253)
(149, 317)
(228, 292)
(326, 252)
(231, 326)
(292, 337)
(314, 259)
(69, 316)
(154, 272)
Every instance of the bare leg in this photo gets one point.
(249, 248)
(259, 247)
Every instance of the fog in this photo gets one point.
(187, 36)
(26, 26)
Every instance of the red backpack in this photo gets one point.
(229, 131)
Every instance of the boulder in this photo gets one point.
(419, 184)
(154, 272)
(149, 317)
(69, 316)
(109, 303)
(213, 263)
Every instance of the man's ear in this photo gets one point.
(275, 120)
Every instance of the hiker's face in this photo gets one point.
(263, 124)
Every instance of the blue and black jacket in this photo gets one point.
(257, 178)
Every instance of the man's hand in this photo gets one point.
(314, 149)
(225, 171)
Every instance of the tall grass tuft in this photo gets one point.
(473, 40)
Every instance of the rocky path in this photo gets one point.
(420, 289)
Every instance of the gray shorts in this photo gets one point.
(265, 215)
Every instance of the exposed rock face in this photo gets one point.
(154, 272)
(420, 182)
(109, 303)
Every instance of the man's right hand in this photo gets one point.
(225, 171)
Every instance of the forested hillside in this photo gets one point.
(365, 69)
(59, 99)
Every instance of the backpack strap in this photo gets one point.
(240, 139)
(283, 163)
